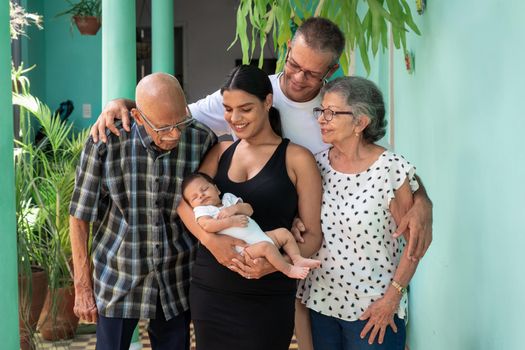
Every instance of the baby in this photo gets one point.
(231, 217)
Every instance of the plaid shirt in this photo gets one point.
(130, 191)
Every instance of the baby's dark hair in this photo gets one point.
(193, 176)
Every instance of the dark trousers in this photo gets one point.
(116, 333)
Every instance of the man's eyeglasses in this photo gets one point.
(180, 126)
(328, 114)
(308, 75)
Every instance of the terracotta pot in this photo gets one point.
(31, 300)
(60, 323)
(88, 25)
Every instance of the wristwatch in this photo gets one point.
(400, 289)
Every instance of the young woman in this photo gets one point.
(236, 302)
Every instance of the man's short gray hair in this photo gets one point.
(364, 97)
(322, 35)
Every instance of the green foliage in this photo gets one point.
(50, 181)
(83, 8)
(365, 26)
(45, 177)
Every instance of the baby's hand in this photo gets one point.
(239, 220)
(226, 212)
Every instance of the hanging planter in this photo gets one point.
(88, 25)
(86, 14)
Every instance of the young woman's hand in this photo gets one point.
(298, 229)
(251, 268)
(223, 248)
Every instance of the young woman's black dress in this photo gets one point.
(230, 312)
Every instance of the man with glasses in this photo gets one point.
(129, 189)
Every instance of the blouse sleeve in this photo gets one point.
(398, 170)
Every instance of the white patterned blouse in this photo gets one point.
(358, 256)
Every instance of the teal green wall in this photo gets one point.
(8, 267)
(33, 51)
(69, 65)
(460, 120)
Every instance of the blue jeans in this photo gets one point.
(330, 333)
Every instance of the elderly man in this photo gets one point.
(129, 189)
(312, 58)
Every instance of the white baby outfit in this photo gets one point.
(250, 234)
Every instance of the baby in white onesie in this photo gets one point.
(230, 216)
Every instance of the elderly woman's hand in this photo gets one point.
(380, 315)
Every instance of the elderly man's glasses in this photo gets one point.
(328, 114)
(180, 126)
(308, 75)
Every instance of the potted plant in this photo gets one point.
(33, 254)
(32, 258)
(50, 182)
(86, 14)
(32, 248)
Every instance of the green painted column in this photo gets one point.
(119, 63)
(162, 37)
(8, 268)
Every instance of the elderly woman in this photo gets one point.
(357, 299)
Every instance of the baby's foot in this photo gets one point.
(305, 262)
(299, 272)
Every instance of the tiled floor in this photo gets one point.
(87, 342)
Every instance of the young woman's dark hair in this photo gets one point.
(254, 81)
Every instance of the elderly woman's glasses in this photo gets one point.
(180, 126)
(328, 114)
